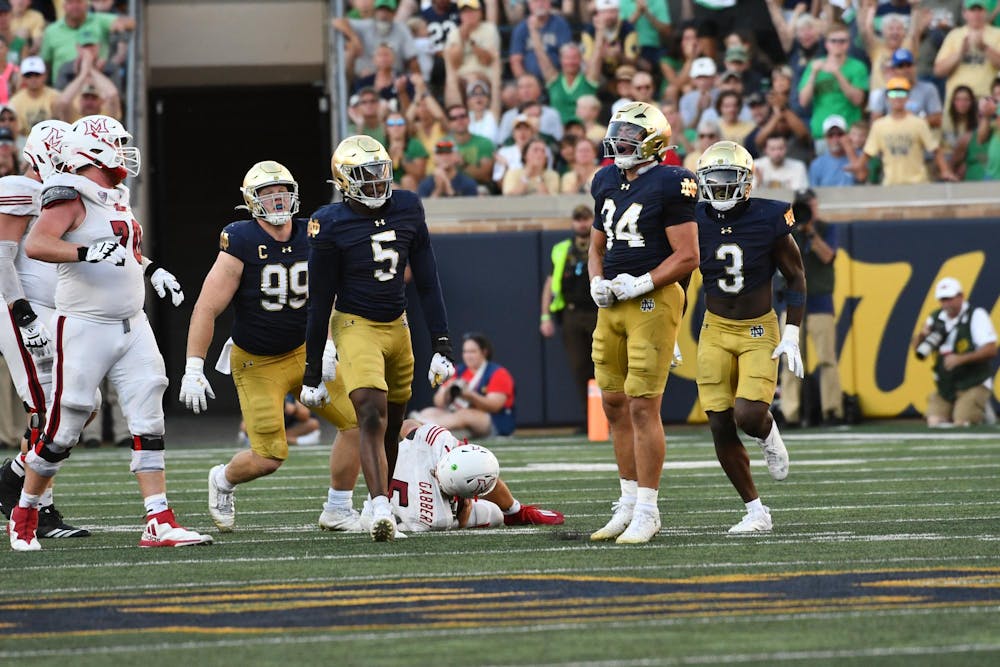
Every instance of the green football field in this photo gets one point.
(885, 551)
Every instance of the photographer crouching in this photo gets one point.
(964, 343)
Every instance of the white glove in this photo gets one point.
(627, 286)
(329, 361)
(163, 281)
(195, 386)
(600, 292)
(789, 346)
(441, 369)
(314, 397)
(106, 251)
(37, 340)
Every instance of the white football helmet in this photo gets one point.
(43, 147)
(468, 471)
(285, 204)
(100, 141)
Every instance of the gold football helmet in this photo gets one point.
(637, 133)
(276, 208)
(362, 170)
(725, 174)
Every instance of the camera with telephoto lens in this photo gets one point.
(932, 342)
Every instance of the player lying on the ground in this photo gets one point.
(439, 483)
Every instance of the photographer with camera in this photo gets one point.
(480, 397)
(965, 343)
(817, 243)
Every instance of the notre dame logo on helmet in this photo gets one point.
(313, 227)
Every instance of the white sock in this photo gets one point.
(17, 465)
(379, 501)
(156, 503)
(629, 489)
(772, 435)
(221, 482)
(339, 500)
(513, 509)
(28, 499)
(46, 498)
(755, 506)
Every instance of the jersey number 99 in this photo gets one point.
(282, 286)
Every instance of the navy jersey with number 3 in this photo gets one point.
(270, 304)
(635, 214)
(736, 247)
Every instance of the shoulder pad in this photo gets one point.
(58, 193)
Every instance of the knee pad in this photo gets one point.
(46, 457)
(147, 454)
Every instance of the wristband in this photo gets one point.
(150, 268)
(442, 346)
(22, 312)
(81, 253)
(194, 364)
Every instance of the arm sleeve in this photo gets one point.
(425, 278)
(324, 260)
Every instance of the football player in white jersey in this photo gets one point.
(441, 483)
(28, 287)
(86, 228)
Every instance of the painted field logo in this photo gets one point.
(647, 305)
(757, 331)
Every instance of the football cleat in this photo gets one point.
(51, 525)
(21, 529)
(753, 522)
(643, 527)
(776, 456)
(221, 505)
(536, 516)
(10, 488)
(383, 524)
(162, 531)
(619, 522)
(344, 520)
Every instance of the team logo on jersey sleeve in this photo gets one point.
(689, 188)
(312, 229)
(224, 241)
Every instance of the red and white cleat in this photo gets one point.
(162, 531)
(21, 528)
(529, 514)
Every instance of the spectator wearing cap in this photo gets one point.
(471, 50)
(881, 50)
(836, 84)
(446, 179)
(27, 24)
(476, 151)
(651, 19)
(9, 164)
(88, 96)
(962, 341)
(924, 100)
(408, 155)
(534, 177)
(88, 54)
(482, 118)
(567, 83)
(566, 300)
(902, 139)
(835, 167)
(364, 35)
(708, 134)
(776, 169)
(702, 96)
(817, 242)
(35, 101)
(738, 60)
(588, 109)
(970, 54)
(610, 38)
(529, 91)
(554, 32)
(623, 87)
(729, 82)
(778, 118)
(60, 40)
(9, 77)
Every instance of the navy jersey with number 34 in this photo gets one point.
(270, 304)
(635, 214)
(736, 246)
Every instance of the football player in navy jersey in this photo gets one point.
(742, 241)
(645, 243)
(261, 270)
(359, 249)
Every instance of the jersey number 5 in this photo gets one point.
(627, 227)
(284, 286)
(380, 254)
(121, 230)
(732, 254)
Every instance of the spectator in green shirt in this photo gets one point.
(651, 19)
(476, 151)
(60, 38)
(409, 157)
(834, 85)
(567, 84)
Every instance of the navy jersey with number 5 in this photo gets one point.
(635, 214)
(736, 245)
(270, 304)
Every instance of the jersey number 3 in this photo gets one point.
(627, 227)
(732, 254)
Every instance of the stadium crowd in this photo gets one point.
(826, 93)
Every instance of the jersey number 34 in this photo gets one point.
(627, 227)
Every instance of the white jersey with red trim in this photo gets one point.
(414, 491)
(101, 291)
(20, 195)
